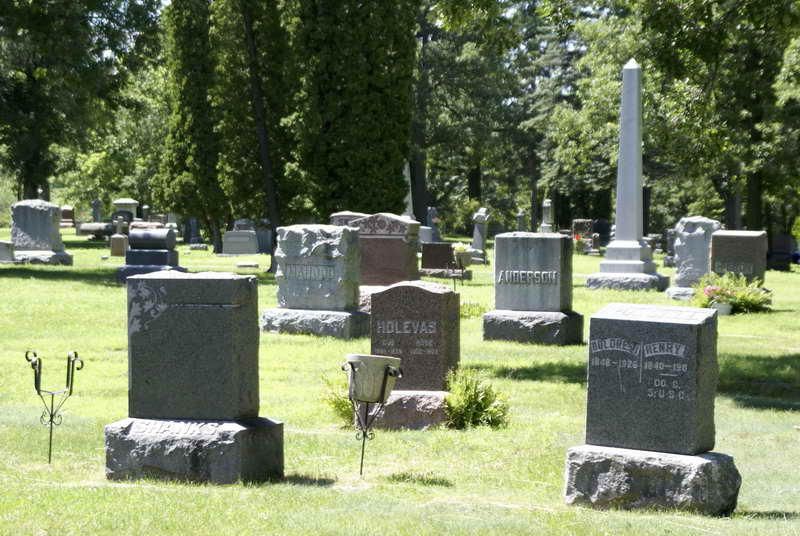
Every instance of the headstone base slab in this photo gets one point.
(33, 256)
(607, 477)
(219, 452)
(338, 324)
(412, 410)
(538, 327)
(444, 273)
(201, 247)
(680, 293)
(365, 296)
(478, 256)
(125, 271)
(627, 281)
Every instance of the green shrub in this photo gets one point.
(337, 398)
(734, 289)
(473, 402)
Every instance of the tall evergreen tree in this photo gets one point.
(355, 102)
(188, 182)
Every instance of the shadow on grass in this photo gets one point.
(545, 372)
(305, 480)
(775, 515)
(761, 382)
(424, 479)
(97, 276)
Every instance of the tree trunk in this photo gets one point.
(474, 181)
(754, 214)
(533, 175)
(259, 115)
(418, 164)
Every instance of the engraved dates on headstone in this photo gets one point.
(652, 378)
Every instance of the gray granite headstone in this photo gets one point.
(6, 252)
(479, 235)
(533, 290)
(240, 243)
(652, 378)
(419, 323)
(547, 217)
(193, 387)
(192, 346)
(318, 283)
(318, 267)
(433, 223)
(692, 245)
(522, 223)
(388, 248)
(35, 233)
(741, 252)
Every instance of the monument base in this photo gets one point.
(198, 247)
(444, 273)
(607, 477)
(478, 256)
(127, 270)
(220, 452)
(412, 410)
(42, 257)
(627, 281)
(680, 293)
(539, 327)
(338, 324)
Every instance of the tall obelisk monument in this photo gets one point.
(629, 260)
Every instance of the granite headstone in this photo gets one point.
(741, 252)
(692, 245)
(35, 233)
(388, 248)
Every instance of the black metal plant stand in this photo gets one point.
(51, 415)
(365, 422)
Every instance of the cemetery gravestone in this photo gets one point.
(433, 223)
(603, 228)
(35, 233)
(127, 204)
(522, 224)
(97, 214)
(629, 260)
(419, 323)
(119, 241)
(240, 243)
(388, 248)
(437, 255)
(669, 238)
(741, 252)
(533, 290)
(547, 217)
(479, 235)
(6, 252)
(67, 216)
(582, 234)
(652, 377)
(692, 244)
(346, 217)
(150, 250)
(318, 282)
(193, 394)
(782, 245)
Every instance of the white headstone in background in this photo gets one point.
(35, 233)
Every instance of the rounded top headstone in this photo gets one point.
(152, 239)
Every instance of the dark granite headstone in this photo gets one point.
(150, 250)
(419, 323)
(781, 247)
(603, 228)
(437, 255)
(652, 378)
(433, 223)
(388, 248)
(742, 252)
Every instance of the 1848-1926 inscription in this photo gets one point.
(652, 375)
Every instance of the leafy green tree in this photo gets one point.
(188, 182)
(353, 118)
(62, 66)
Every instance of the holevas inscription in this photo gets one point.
(527, 277)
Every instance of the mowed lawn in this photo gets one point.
(479, 481)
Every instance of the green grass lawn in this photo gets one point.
(480, 481)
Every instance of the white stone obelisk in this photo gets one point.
(629, 260)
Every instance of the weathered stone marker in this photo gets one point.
(240, 242)
(35, 233)
(150, 250)
(629, 260)
(479, 235)
(691, 246)
(193, 394)
(533, 290)
(318, 282)
(741, 252)
(419, 323)
(652, 377)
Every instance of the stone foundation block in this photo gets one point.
(627, 281)
(42, 257)
(338, 324)
(412, 410)
(220, 452)
(680, 293)
(607, 477)
(539, 327)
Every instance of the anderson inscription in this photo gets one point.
(528, 277)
